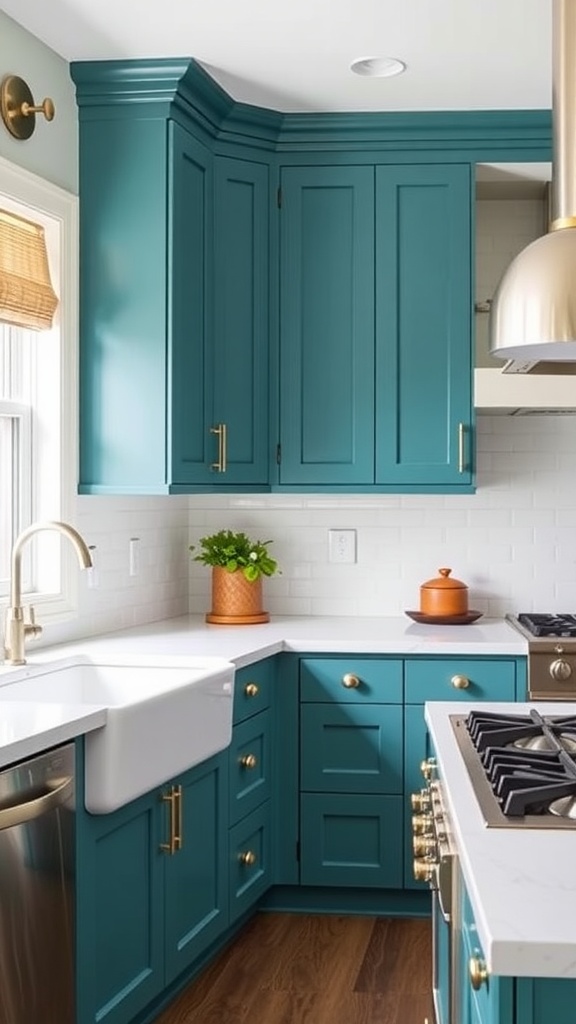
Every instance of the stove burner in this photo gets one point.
(543, 743)
(529, 761)
(557, 624)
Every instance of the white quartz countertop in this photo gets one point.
(311, 634)
(26, 729)
(521, 882)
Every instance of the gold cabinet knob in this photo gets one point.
(423, 870)
(477, 972)
(350, 681)
(420, 801)
(251, 689)
(247, 857)
(460, 682)
(428, 767)
(249, 760)
(423, 846)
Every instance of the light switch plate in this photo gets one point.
(342, 546)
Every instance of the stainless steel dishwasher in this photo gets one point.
(37, 890)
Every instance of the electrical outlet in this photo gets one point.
(342, 546)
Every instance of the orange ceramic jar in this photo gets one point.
(444, 596)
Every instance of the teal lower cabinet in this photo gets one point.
(195, 877)
(351, 840)
(250, 787)
(152, 892)
(351, 748)
(487, 999)
(250, 860)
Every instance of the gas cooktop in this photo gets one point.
(522, 767)
(552, 624)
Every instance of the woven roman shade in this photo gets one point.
(27, 298)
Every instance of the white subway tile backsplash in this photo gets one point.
(513, 541)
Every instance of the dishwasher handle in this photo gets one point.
(19, 814)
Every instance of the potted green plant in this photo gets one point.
(238, 566)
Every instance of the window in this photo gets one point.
(38, 389)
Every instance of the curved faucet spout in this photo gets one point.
(16, 628)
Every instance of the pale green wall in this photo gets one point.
(52, 151)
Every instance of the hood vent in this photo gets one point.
(533, 315)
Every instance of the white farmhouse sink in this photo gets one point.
(163, 716)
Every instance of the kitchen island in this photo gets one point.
(513, 920)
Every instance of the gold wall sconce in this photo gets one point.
(18, 109)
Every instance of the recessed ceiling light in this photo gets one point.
(378, 67)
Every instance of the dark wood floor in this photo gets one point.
(315, 969)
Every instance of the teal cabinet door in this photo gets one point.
(188, 281)
(423, 325)
(250, 860)
(250, 765)
(327, 326)
(351, 840)
(195, 878)
(351, 748)
(241, 323)
(120, 943)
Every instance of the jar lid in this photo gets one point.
(442, 582)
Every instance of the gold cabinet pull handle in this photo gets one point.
(170, 846)
(178, 837)
(350, 681)
(220, 431)
(461, 456)
(460, 682)
(251, 690)
(478, 972)
(428, 767)
(247, 857)
(249, 761)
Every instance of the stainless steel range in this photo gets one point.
(522, 767)
(551, 654)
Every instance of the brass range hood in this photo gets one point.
(533, 314)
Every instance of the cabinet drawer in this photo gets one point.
(250, 860)
(249, 759)
(480, 679)
(252, 687)
(351, 679)
(351, 840)
(351, 748)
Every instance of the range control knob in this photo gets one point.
(560, 669)
(421, 824)
(423, 846)
(420, 801)
(423, 870)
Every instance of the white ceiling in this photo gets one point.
(295, 55)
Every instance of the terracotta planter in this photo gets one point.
(236, 601)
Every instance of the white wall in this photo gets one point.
(52, 151)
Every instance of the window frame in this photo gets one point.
(30, 195)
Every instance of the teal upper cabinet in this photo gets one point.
(375, 342)
(241, 328)
(231, 343)
(173, 290)
(327, 325)
(423, 326)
